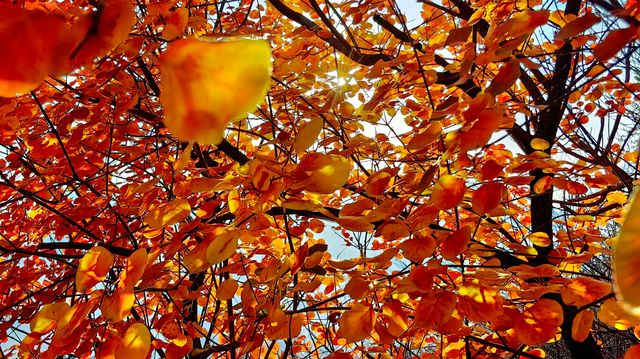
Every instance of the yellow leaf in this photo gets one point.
(222, 247)
(539, 144)
(321, 173)
(227, 289)
(48, 317)
(539, 239)
(184, 158)
(93, 268)
(135, 343)
(282, 326)
(206, 85)
(168, 214)
(233, 199)
(625, 260)
(308, 134)
(357, 323)
(136, 264)
(118, 306)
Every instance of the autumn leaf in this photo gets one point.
(487, 197)
(308, 134)
(581, 326)
(539, 323)
(505, 78)
(435, 310)
(222, 247)
(168, 214)
(321, 173)
(456, 243)
(613, 43)
(227, 289)
(48, 317)
(93, 268)
(448, 192)
(206, 85)
(625, 259)
(357, 323)
(37, 42)
(135, 342)
(577, 26)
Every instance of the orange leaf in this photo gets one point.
(357, 323)
(457, 35)
(539, 239)
(625, 259)
(421, 140)
(206, 85)
(486, 198)
(613, 43)
(104, 30)
(93, 268)
(456, 243)
(72, 324)
(633, 352)
(175, 24)
(34, 45)
(168, 214)
(48, 317)
(281, 325)
(135, 343)
(321, 173)
(136, 264)
(222, 247)
(577, 26)
(357, 288)
(308, 134)
(581, 325)
(539, 323)
(489, 121)
(433, 311)
(448, 192)
(584, 290)
(506, 77)
(227, 289)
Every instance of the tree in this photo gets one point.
(477, 159)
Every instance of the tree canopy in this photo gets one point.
(306, 178)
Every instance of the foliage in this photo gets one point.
(471, 164)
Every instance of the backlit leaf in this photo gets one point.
(487, 197)
(135, 343)
(168, 214)
(321, 173)
(625, 260)
(308, 134)
(93, 268)
(48, 317)
(613, 43)
(539, 323)
(205, 85)
(577, 26)
(448, 192)
(223, 246)
(505, 78)
(357, 323)
(37, 42)
(581, 326)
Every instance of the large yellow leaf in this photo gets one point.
(93, 268)
(135, 343)
(48, 317)
(357, 323)
(625, 261)
(205, 85)
(308, 134)
(321, 173)
(222, 247)
(168, 214)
